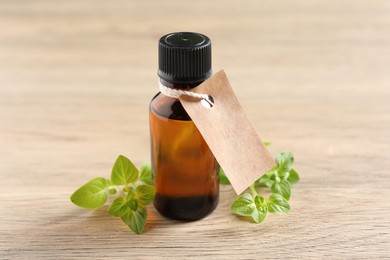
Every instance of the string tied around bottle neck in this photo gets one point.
(206, 100)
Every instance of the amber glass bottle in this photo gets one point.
(185, 170)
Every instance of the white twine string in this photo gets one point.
(176, 93)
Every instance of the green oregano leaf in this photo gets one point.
(135, 219)
(244, 205)
(223, 179)
(146, 175)
(293, 177)
(277, 204)
(91, 195)
(275, 177)
(259, 200)
(259, 214)
(267, 179)
(124, 171)
(264, 181)
(132, 204)
(283, 188)
(261, 210)
(131, 201)
(144, 194)
(127, 189)
(284, 161)
(130, 194)
(119, 207)
(267, 143)
(283, 175)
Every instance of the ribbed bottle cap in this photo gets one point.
(184, 58)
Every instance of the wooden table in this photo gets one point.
(76, 78)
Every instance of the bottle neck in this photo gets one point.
(183, 86)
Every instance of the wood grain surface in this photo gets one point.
(76, 78)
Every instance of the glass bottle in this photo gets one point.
(185, 170)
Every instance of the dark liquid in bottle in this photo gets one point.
(185, 170)
(185, 208)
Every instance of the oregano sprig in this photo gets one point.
(279, 179)
(135, 189)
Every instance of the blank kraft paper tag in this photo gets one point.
(228, 132)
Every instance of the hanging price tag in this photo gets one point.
(226, 129)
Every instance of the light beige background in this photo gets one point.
(76, 78)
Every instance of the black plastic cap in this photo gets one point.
(184, 58)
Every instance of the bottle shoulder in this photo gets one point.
(168, 107)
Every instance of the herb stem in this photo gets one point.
(253, 190)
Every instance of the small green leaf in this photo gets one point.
(131, 201)
(267, 143)
(223, 179)
(283, 175)
(284, 161)
(146, 175)
(91, 195)
(144, 194)
(259, 214)
(124, 171)
(118, 207)
(264, 181)
(283, 188)
(259, 200)
(112, 191)
(277, 204)
(244, 205)
(261, 211)
(130, 194)
(127, 189)
(275, 177)
(132, 204)
(136, 219)
(293, 177)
